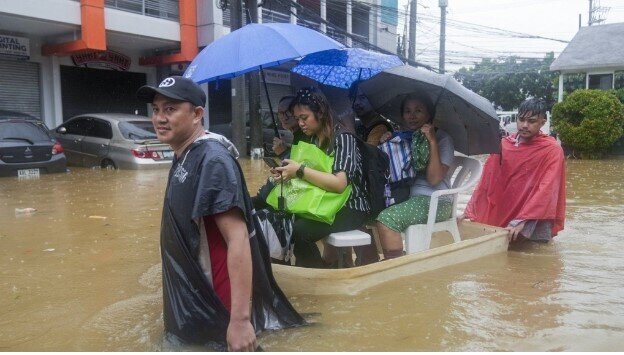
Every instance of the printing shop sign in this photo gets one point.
(14, 47)
(102, 59)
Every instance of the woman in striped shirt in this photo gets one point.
(311, 109)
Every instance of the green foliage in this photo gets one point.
(589, 122)
(619, 93)
(509, 81)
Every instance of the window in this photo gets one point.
(77, 126)
(137, 130)
(22, 130)
(601, 81)
(100, 129)
(618, 80)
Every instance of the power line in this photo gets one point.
(355, 38)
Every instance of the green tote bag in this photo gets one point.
(305, 199)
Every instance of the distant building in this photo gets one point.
(595, 54)
(595, 58)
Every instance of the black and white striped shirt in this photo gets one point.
(347, 158)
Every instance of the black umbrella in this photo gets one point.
(468, 118)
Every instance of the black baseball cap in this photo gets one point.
(174, 87)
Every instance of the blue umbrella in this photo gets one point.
(256, 46)
(343, 67)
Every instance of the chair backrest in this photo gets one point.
(469, 172)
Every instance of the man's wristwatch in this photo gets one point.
(300, 171)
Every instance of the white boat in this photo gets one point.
(478, 240)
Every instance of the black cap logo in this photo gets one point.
(167, 83)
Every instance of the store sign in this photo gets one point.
(277, 77)
(102, 60)
(15, 47)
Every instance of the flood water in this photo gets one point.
(82, 273)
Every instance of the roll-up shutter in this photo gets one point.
(20, 88)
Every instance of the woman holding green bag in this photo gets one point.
(311, 109)
(432, 154)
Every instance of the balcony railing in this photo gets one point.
(166, 9)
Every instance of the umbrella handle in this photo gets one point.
(266, 91)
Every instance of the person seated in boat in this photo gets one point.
(280, 147)
(432, 154)
(523, 188)
(371, 126)
(311, 109)
(288, 122)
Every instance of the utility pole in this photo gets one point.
(597, 13)
(253, 80)
(443, 4)
(238, 87)
(591, 9)
(412, 30)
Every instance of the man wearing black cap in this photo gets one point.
(210, 251)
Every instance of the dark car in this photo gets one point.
(27, 149)
(113, 140)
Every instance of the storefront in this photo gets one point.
(20, 88)
(100, 82)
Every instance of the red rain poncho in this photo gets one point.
(528, 185)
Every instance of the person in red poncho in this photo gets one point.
(523, 188)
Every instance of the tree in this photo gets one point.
(589, 122)
(507, 82)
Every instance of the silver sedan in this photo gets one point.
(109, 140)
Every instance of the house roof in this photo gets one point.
(600, 46)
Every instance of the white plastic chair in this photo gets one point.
(351, 238)
(418, 236)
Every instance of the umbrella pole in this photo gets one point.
(266, 90)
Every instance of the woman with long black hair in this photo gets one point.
(312, 111)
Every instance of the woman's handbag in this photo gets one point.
(305, 199)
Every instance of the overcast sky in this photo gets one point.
(466, 44)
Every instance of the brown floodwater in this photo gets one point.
(82, 273)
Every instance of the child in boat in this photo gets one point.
(432, 154)
(311, 109)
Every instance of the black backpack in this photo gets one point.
(375, 171)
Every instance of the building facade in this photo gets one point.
(61, 58)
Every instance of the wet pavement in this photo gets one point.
(82, 273)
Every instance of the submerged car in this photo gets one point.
(113, 140)
(27, 149)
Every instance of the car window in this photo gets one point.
(22, 130)
(137, 130)
(77, 126)
(100, 129)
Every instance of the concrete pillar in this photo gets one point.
(349, 22)
(293, 17)
(324, 15)
(56, 90)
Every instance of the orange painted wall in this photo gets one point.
(93, 31)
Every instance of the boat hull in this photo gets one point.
(478, 240)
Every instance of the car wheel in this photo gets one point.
(108, 164)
